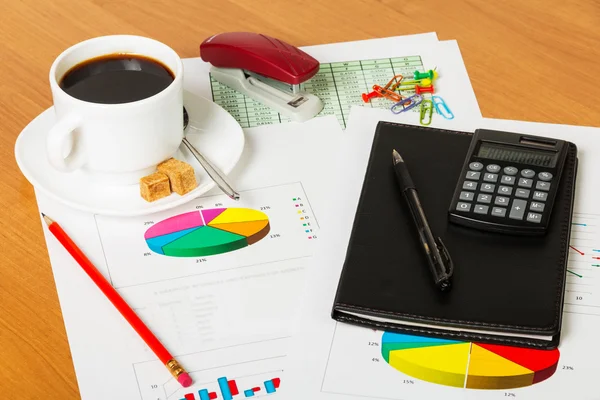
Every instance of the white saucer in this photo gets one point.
(211, 129)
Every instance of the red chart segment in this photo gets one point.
(542, 362)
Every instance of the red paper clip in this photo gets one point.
(420, 89)
(394, 82)
(388, 94)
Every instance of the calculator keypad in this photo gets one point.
(505, 192)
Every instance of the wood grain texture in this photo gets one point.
(535, 60)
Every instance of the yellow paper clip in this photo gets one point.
(394, 82)
(388, 94)
(421, 82)
(426, 108)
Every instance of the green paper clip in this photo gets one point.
(426, 107)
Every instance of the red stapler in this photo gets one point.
(265, 69)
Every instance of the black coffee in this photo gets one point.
(116, 78)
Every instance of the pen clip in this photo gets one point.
(448, 265)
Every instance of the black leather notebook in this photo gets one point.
(506, 289)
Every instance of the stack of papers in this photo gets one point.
(255, 321)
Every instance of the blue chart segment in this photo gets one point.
(229, 390)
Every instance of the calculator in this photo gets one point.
(508, 182)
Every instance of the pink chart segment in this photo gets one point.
(174, 224)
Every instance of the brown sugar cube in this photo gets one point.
(155, 186)
(181, 175)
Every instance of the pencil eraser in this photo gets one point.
(184, 379)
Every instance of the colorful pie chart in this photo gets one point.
(467, 364)
(207, 232)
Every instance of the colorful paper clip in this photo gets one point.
(388, 94)
(431, 74)
(426, 108)
(407, 103)
(421, 82)
(420, 89)
(379, 91)
(441, 107)
(394, 82)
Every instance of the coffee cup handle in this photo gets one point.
(59, 137)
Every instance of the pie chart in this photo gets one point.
(207, 232)
(467, 364)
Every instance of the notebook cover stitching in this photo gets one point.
(468, 336)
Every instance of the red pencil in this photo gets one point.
(157, 347)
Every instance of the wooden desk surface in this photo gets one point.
(535, 60)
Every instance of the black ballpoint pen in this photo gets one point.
(437, 255)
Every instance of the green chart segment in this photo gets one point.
(207, 232)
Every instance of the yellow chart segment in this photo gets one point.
(490, 371)
(445, 364)
(238, 215)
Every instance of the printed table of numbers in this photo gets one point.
(339, 85)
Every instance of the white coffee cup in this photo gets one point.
(116, 143)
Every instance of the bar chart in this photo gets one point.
(253, 370)
(229, 390)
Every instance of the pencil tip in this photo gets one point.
(47, 219)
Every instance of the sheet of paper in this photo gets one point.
(331, 360)
(221, 296)
(350, 69)
(227, 309)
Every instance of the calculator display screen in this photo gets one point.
(515, 154)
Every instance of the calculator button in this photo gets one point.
(476, 166)
(490, 177)
(541, 196)
(523, 193)
(518, 209)
(481, 209)
(470, 185)
(473, 175)
(510, 170)
(493, 168)
(463, 207)
(524, 182)
(542, 185)
(487, 187)
(534, 217)
(484, 198)
(499, 212)
(501, 201)
(535, 206)
(528, 173)
(466, 196)
(507, 180)
(545, 176)
(507, 190)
